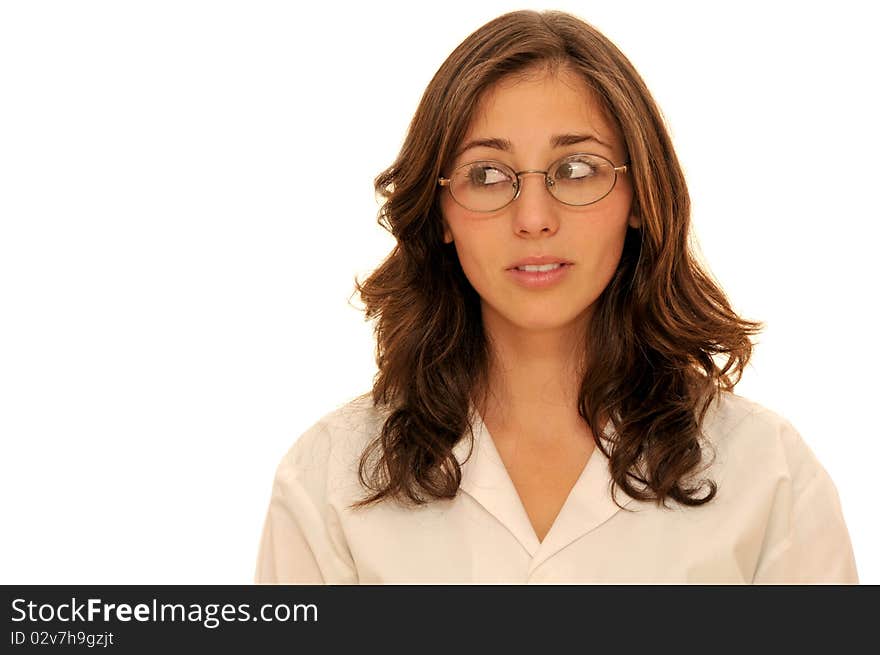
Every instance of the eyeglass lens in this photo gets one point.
(575, 180)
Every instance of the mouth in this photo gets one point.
(539, 276)
(539, 268)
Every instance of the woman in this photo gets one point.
(554, 397)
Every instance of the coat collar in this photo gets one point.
(485, 479)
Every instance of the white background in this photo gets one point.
(186, 197)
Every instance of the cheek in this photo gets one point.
(474, 246)
(606, 234)
(600, 247)
(476, 259)
(608, 245)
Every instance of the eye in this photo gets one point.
(485, 175)
(577, 169)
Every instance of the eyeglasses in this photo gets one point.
(488, 185)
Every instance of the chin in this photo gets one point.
(546, 321)
(539, 315)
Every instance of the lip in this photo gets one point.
(538, 260)
(540, 279)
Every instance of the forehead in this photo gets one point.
(527, 107)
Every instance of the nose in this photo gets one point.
(535, 211)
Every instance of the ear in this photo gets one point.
(635, 221)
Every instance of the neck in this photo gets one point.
(535, 374)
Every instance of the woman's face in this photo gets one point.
(528, 113)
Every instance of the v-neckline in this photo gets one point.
(486, 479)
(546, 494)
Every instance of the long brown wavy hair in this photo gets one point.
(657, 330)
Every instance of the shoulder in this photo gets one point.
(326, 455)
(754, 442)
(782, 498)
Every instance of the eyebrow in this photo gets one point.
(556, 141)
